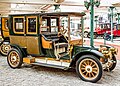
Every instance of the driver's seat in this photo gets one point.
(60, 49)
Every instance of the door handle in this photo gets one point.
(24, 34)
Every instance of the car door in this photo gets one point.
(4, 27)
(17, 34)
(32, 34)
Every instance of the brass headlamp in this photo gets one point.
(114, 50)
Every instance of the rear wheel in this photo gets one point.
(88, 35)
(89, 68)
(85, 34)
(4, 48)
(14, 58)
(107, 37)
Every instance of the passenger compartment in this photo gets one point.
(53, 41)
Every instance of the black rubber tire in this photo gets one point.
(95, 35)
(88, 35)
(96, 60)
(20, 56)
(114, 64)
(107, 37)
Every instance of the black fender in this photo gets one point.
(22, 50)
(95, 53)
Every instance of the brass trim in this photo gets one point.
(76, 42)
(29, 60)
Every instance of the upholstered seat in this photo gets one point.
(60, 45)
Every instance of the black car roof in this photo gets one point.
(52, 14)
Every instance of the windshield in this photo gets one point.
(75, 28)
(49, 24)
(70, 28)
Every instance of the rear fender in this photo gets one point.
(22, 50)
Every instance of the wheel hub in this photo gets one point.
(13, 58)
(88, 69)
(7, 48)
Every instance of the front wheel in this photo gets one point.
(89, 68)
(94, 35)
(14, 58)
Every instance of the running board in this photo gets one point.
(50, 65)
(49, 62)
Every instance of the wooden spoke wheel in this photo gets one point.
(4, 48)
(89, 68)
(14, 58)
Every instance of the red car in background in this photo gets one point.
(116, 31)
(101, 29)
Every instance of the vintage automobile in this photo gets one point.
(116, 32)
(4, 45)
(101, 30)
(46, 39)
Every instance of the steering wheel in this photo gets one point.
(63, 31)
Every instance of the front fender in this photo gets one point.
(93, 52)
(96, 53)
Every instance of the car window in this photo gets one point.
(6, 24)
(75, 28)
(44, 25)
(31, 24)
(54, 27)
(19, 24)
(49, 24)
